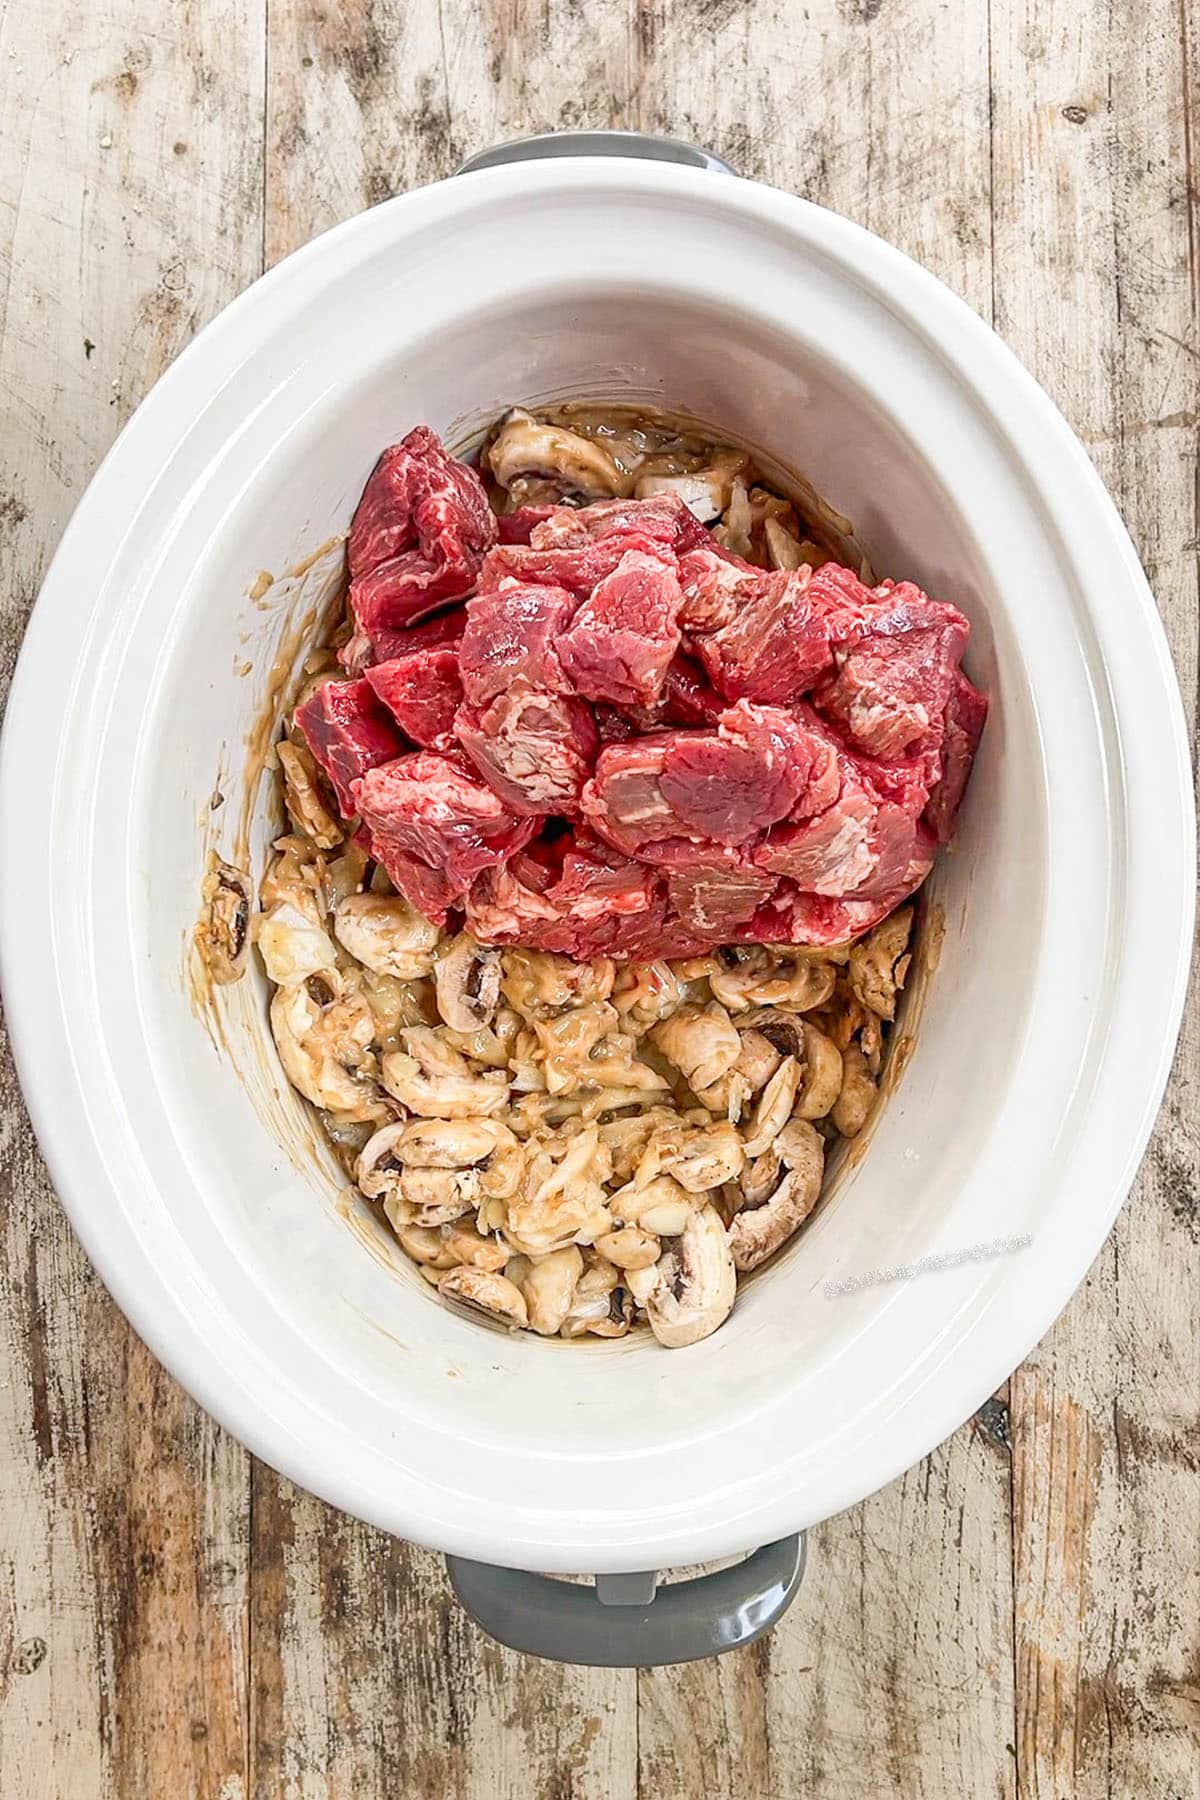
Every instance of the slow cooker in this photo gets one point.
(1064, 912)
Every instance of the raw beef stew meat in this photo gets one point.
(630, 741)
(624, 636)
(514, 634)
(534, 748)
(422, 691)
(418, 535)
(348, 732)
(434, 826)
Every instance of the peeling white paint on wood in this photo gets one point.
(1018, 1614)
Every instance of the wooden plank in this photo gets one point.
(896, 1676)
(893, 1673)
(130, 166)
(1096, 288)
(369, 100)
(123, 1576)
(367, 1676)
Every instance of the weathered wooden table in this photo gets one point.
(1021, 1614)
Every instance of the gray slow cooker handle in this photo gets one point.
(596, 143)
(623, 1622)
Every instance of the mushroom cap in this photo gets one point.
(577, 465)
(467, 980)
(758, 1231)
(697, 1283)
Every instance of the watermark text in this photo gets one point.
(927, 1265)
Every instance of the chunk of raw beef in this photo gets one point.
(515, 527)
(892, 682)
(441, 631)
(687, 698)
(535, 749)
(866, 841)
(418, 536)
(348, 732)
(597, 903)
(623, 637)
(422, 691)
(775, 646)
(714, 899)
(664, 519)
(434, 826)
(513, 634)
(966, 711)
(577, 569)
(654, 794)
(815, 920)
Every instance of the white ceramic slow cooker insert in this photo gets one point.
(1048, 1027)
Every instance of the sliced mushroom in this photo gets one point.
(439, 1196)
(758, 1231)
(485, 1145)
(225, 928)
(600, 1305)
(857, 1094)
(698, 1158)
(549, 1288)
(696, 1283)
(760, 1056)
(379, 1167)
(302, 796)
(343, 875)
(562, 1199)
(760, 1177)
(728, 1095)
(396, 1005)
(539, 984)
(880, 962)
(794, 1145)
(584, 1048)
(387, 934)
(644, 993)
(293, 947)
(492, 1045)
(619, 1317)
(660, 1206)
(427, 1247)
(774, 1108)
(822, 1079)
(578, 466)
(783, 547)
(470, 1247)
(756, 976)
(429, 1077)
(641, 1283)
(487, 1293)
(737, 522)
(467, 979)
(629, 1248)
(870, 1038)
(782, 1031)
(324, 1043)
(626, 1138)
(701, 1042)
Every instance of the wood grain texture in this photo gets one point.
(1096, 285)
(1021, 1613)
(131, 212)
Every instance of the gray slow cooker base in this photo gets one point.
(627, 1621)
